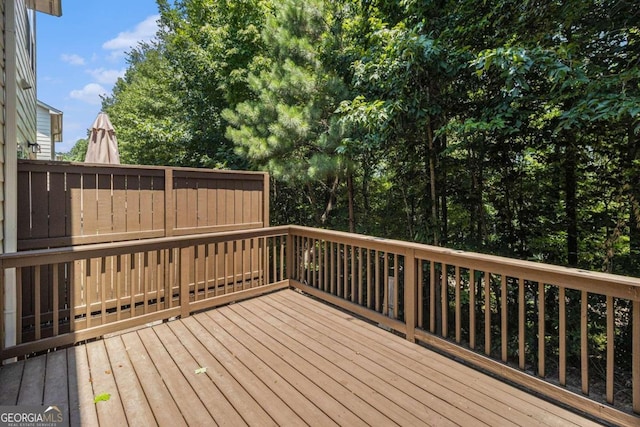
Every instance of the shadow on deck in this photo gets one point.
(279, 359)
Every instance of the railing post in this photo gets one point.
(410, 293)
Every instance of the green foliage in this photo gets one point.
(287, 127)
(78, 152)
(509, 127)
(146, 112)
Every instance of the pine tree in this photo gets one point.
(288, 127)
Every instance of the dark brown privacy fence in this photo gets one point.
(64, 204)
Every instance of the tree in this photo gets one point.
(288, 126)
(78, 152)
(209, 45)
(147, 113)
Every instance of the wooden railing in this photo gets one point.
(554, 330)
(63, 204)
(545, 327)
(84, 292)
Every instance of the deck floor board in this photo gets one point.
(10, 379)
(411, 357)
(280, 359)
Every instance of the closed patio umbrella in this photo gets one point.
(103, 145)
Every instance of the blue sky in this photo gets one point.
(82, 53)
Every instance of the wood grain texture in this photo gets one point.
(280, 359)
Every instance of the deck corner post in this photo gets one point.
(410, 293)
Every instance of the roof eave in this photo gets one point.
(50, 7)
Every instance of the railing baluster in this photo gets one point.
(282, 258)
(458, 308)
(345, 271)
(102, 286)
(119, 273)
(370, 286)
(360, 285)
(265, 261)
(385, 283)
(396, 285)
(432, 297)
(333, 268)
(487, 313)
(444, 299)
(225, 251)
(325, 283)
(37, 296)
(635, 356)
(521, 323)
(584, 342)
(410, 293)
(541, 330)
(562, 336)
(377, 275)
(243, 269)
(611, 337)
(420, 290)
(19, 293)
(216, 268)
(274, 259)
(504, 321)
(354, 274)
(321, 265)
(72, 299)
(472, 308)
(56, 299)
(87, 291)
(314, 263)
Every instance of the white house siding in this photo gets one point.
(25, 67)
(44, 138)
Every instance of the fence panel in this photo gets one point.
(62, 204)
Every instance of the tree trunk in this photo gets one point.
(443, 197)
(570, 187)
(433, 186)
(634, 196)
(472, 195)
(351, 191)
(330, 200)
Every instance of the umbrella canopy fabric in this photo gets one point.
(103, 145)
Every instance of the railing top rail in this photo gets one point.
(71, 253)
(596, 282)
(50, 165)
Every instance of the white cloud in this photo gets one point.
(107, 77)
(72, 59)
(144, 31)
(89, 94)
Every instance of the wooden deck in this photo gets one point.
(280, 359)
